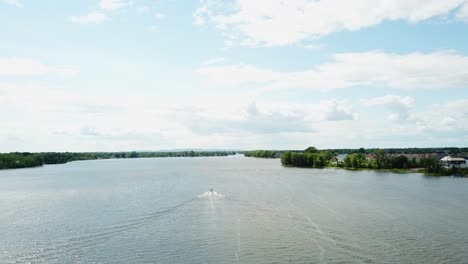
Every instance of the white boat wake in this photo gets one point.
(211, 194)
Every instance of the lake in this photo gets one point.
(159, 211)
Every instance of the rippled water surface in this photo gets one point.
(159, 211)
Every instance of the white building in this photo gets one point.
(451, 162)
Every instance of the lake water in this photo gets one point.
(157, 211)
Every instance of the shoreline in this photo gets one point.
(463, 173)
(15, 161)
(396, 171)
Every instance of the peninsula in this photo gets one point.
(431, 161)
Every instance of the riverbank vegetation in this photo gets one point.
(309, 158)
(446, 150)
(265, 154)
(17, 160)
(20, 160)
(378, 159)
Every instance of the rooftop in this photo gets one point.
(449, 158)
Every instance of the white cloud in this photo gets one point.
(213, 61)
(394, 117)
(463, 13)
(205, 10)
(398, 105)
(279, 22)
(239, 74)
(312, 46)
(154, 28)
(451, 116)
(391, 101)
(23, 67)
(233, 117)
(90, 18)
(159, 15)
(258, 122)
(28, 96)
(143, 10)
(67, 120)
(437, 70)
(337, 111)
(90, 131)
(16, 3)
(114, 4)
(265, 118)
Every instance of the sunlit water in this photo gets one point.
(161, 211)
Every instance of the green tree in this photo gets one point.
(355, 160)
(286, 158)
(379, 158)
(311, 150)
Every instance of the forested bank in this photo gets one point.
(395, 159)
(26, 159)
(389, 151)
(447, 150)
(265, 154)
(379, 159)
(20, 160)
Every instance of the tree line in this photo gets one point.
(447, 150)
(388, 151)
(379, 159)
(16, 160)
(20, 160)
(265, 154)
(311, 157)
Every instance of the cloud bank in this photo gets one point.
(90, 18)
(278, 22)
(30, 67)
(436, 70)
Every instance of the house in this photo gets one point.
(370, 157)
(453, 162)
(341, 157)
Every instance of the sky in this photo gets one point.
(124, 75)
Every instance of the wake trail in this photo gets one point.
(336, 245)
(238, 241)
(301, 213)
(317, 228)
(77, 243)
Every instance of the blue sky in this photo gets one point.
(113, 75)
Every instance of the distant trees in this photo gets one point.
(355, 160)
(19, 160)
(266, 154)
(399, 162)
(23, 160)
(448, 150)
(378, 160)
(371, 159)
(286, 158)
(311, 150)
(311, 157)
